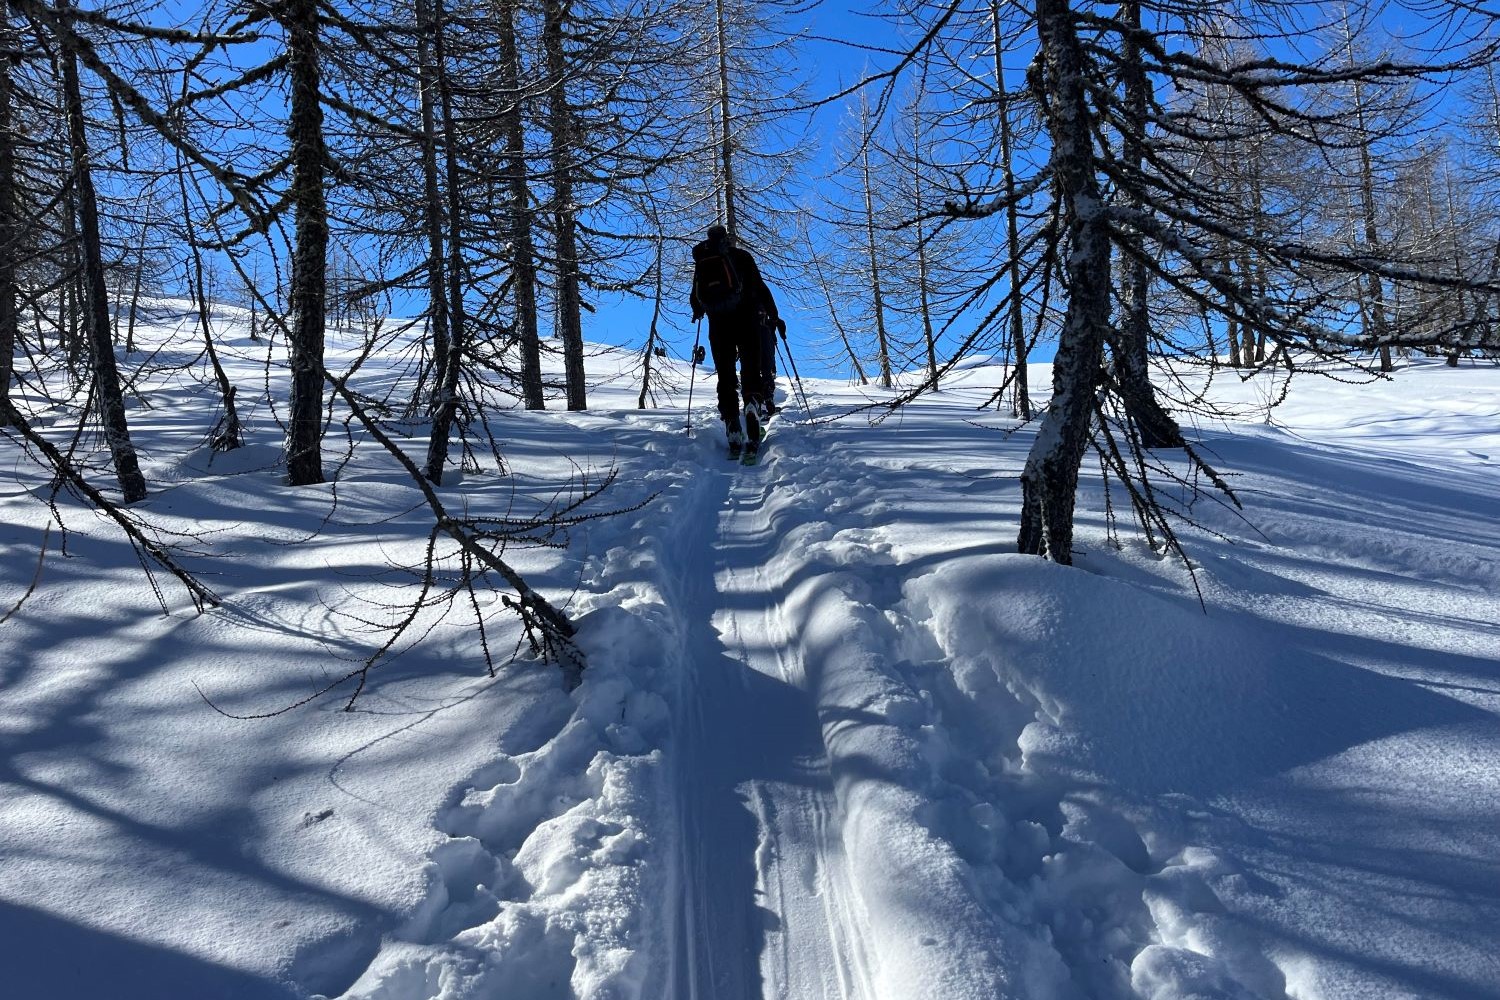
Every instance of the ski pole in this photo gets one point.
(801, 390)
(693, 378)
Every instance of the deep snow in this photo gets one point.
(834, 739)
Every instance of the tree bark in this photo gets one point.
(564, 212)
(1153, 423)
(1376, 309)
(451, 364)
(877, 295)
(432, 199)
(647, 356)
(924, 293)
(523, 246)
(1020, 388)
(309, 296)
(919, 202)
(726, 134)
(108, 396)
(228, 435)
(1049, 483)
(138, 277)
(10, 223)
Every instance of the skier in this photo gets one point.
(728, 288)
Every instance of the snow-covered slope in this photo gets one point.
(834, 740)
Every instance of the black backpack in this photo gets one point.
(715, 279)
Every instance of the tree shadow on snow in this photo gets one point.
(45, 956)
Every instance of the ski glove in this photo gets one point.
(698, 354)
(781, 325)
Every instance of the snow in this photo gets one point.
(835, 739)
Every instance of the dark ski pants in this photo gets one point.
(734, 339)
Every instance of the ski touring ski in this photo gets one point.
(756, 443)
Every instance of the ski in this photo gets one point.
(756, 447)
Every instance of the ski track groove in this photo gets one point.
(766, 902)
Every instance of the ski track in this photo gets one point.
(767, 907)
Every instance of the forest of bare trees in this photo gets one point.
(1102, 184)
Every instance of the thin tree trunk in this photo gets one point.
(38, 330)
(1232, 330)
(1233, 333)
(564, 144)
(726, 134)
(833, 314)
(1378, 326)
(432, 200)
(876, 293)
(107, 393)
(1153, 423)
(1256, 341)
(716, 161)
(227, 436)
(254, 305)
(137, 278)
(1376, 311)
(523, 246)
(648, 355)
(1049, 483)
(70, 295)
(10, 223)
(450, 367)
(309, 296)
(924, 298)
(924, 292)
(1456, 258)
(1020, 389)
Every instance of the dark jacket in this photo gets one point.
(755, 298)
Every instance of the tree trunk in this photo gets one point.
(924, 298)
(254, 305)
(1378, 328)
(432, 199)
(1375, 313)
(726, 135)
(1020, 389)
(648, 355)
(523, 247)
(137, 278)
(10, 223)
(107, 393)
(70, 295)
(450, 366)
(877, 295)
(833, 314)
(1233, 332)
(924, 292)
(304, 445)
(228, 435)
(1153, 423)
(564, 145)
(1049, 483)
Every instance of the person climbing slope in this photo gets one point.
(729, 289)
